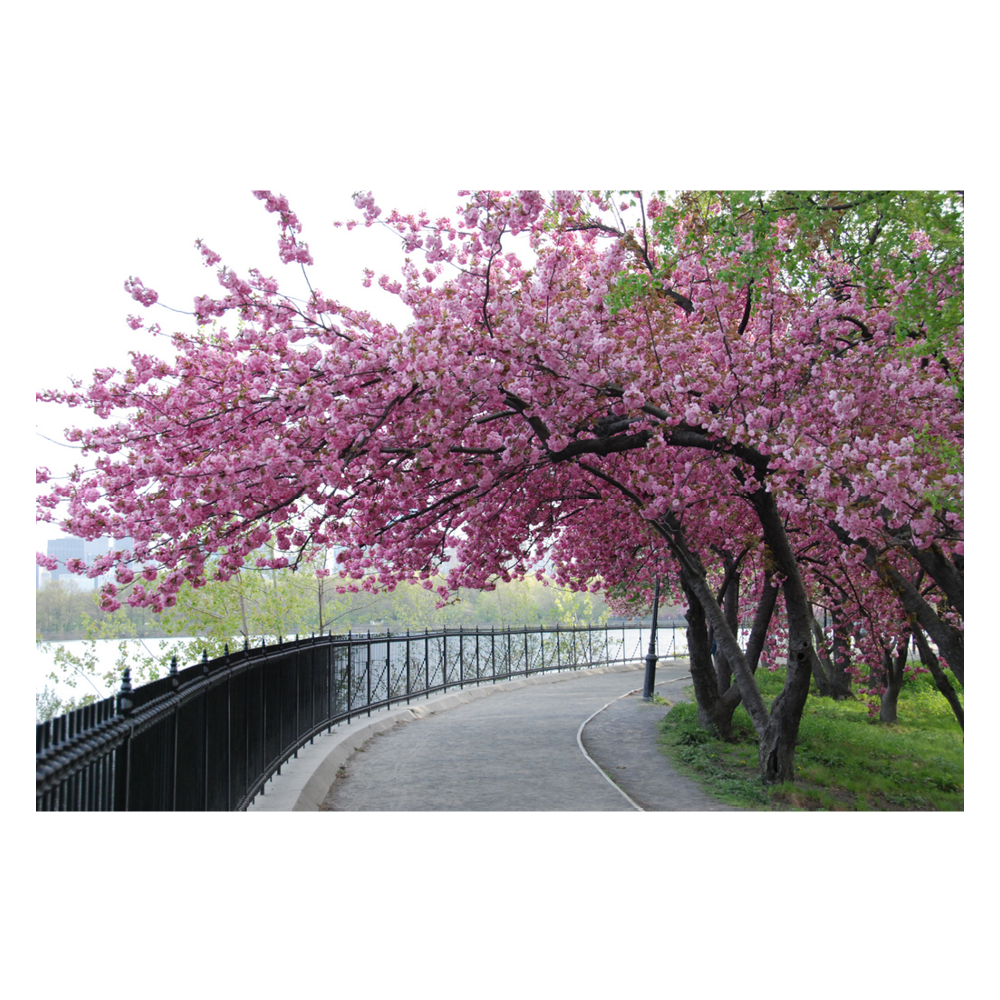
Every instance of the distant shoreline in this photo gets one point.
(80, 636)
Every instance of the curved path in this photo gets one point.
(514, 748)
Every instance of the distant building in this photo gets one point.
(76, 548)
(65, 549)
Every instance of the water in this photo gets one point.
(106, 652)
(623, 643)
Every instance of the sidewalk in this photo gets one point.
(508, 747)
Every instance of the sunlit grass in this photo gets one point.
(844, 760)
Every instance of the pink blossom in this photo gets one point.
(140, 293)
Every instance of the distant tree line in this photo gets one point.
(279, 602)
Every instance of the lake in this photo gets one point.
(672, 641)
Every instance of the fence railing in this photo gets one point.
(209, 736)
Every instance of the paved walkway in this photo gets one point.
(509, 748)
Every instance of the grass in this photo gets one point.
(844, 760)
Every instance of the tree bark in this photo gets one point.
(948, 639)
(758, 632)
(944, 572)
(838, 683)
(761, 621)
(778, 729)
(693, 578)
(776, 751)
(713, 714)
(840, 656)
(819, 661)
(893, 667)
(930, 661)
(731, 608)
(776, 747)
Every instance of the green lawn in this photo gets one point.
(844, 760)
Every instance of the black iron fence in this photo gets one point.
(209, 736)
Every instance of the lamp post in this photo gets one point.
(647, 684)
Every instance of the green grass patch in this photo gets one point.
(843, 759)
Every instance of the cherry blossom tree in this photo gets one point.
(623, 388)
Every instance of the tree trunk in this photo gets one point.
(893, 667)
(778, 729)
(819, 675)
(693, 579)
(930, 661)
(776, 747)
(949, 640)
(731, 607)
(765, 610)
(716, 717)
(761, 621)
(818, 661)
(840, 679)
(946, 573)
(776, 751)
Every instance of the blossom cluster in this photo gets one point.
(517, 420)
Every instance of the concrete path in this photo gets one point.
(622, 739)
(506, 748)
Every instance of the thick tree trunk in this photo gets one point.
(695, 583)
(778, 729)
(930, 661)
(946, 573)
(892, 676)
(776, 751)
(731, 608)
(713, 713)
(755, 644)
(776, 747)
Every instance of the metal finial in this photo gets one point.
(125, 703)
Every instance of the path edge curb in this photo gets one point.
(600, 770)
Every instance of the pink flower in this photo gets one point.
(139, 292)
(211, 257)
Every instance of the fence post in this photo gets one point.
(229, 728)
(368, 671)
(204, 734)
(123, 755)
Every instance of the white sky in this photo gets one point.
(152, 237)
